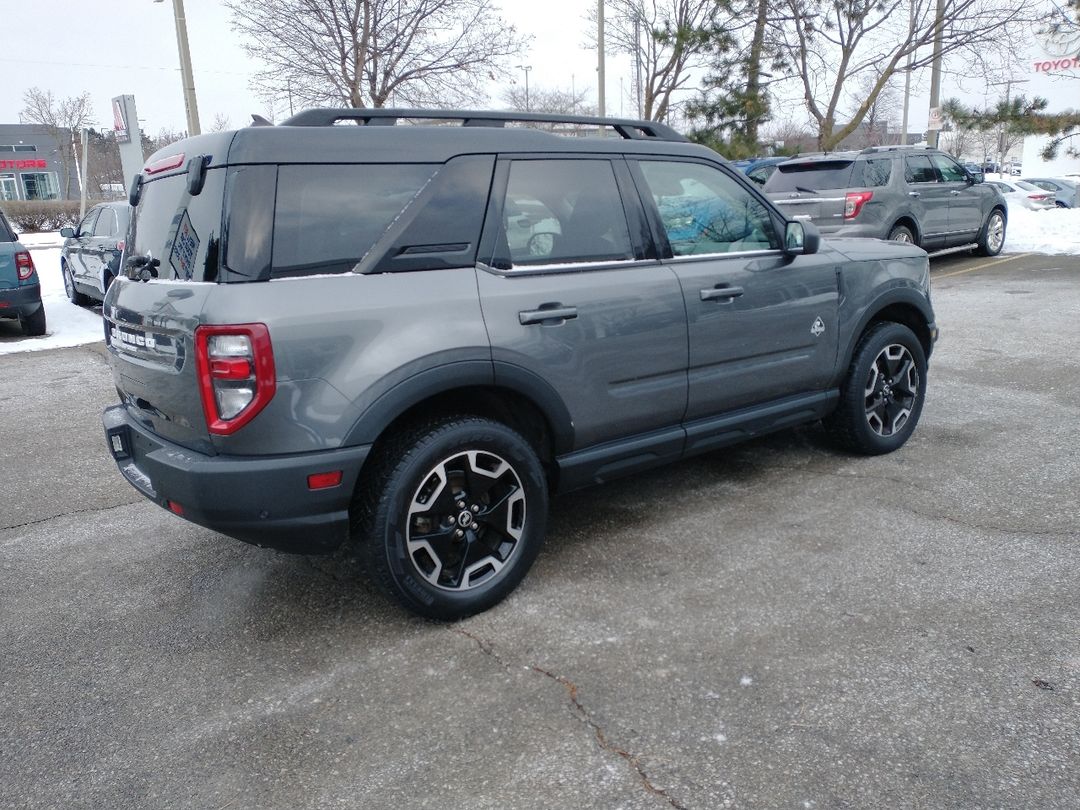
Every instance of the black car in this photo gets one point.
(90, 258)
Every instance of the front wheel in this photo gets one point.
(73, 294)
(992, 236)
(453, 516)
(882, 396)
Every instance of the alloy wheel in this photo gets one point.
(465, 520)
(995, 233)
(892, 388)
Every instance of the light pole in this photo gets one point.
(1002, 136)
(526, 68)
(190, 105)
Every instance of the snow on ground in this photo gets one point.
(67, 324)
(1055, 231)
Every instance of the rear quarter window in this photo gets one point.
(328, 217)
(817, 175)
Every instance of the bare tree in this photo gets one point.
(62, 120)
(371, 52)
(668, 40)
(548, 100)
(833, 44)
(881, 114)
(221, 123)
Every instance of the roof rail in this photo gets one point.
(626, 127)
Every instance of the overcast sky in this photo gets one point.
(115, 47)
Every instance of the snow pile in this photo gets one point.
(68, 325)
(1055, 230)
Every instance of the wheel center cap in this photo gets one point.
(465, 519)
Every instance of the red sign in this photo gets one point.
(23, 164)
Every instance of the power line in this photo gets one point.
(118, 67)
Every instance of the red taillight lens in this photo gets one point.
(326, 480)
(236, 374)
(854, 201)
(24, 265)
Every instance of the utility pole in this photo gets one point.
(907, 73)
(526, 68)
(637, 64)
(935, 69)
(190, 105)
(82, 176)
(1001, 127)
(600, 53)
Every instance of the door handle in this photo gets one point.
(955, 192)
(721, 293)
(914, 194)
(547, 315)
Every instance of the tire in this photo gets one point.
(882, 395)
(992, 235)
(34, 325)
(482, 531)
(902, 233)
(74, 296)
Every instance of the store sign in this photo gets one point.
(120, 127)
(1048, 65)
(24, 164)
(1060, 45)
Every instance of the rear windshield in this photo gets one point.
(813, 176)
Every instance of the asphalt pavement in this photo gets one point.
(777, 625)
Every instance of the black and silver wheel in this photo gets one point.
(902, 233)
(882, 396)
(454, 516)
(74, 296)
(992, 235)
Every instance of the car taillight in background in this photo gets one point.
(24, 265)
(854, 202)
(1039, 197)
(237, 379)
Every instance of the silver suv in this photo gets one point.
(406, 337)
(904, 194)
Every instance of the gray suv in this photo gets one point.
(407, 337)
(904, 194)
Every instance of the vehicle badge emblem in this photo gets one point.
(818, 329)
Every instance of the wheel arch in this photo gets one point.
(909, 222)
(511, 395)
(901, 306)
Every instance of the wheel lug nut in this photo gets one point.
(452, 520)
(475, 507)
(461, 504)
(459, 533)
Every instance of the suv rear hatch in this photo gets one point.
(814, 190)
(172, 241)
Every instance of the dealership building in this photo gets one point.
(1054, 74)
(31, 167)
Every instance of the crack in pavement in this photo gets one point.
(72, 512)
(582, 713)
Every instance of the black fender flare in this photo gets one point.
(463, 374)
(905, 296)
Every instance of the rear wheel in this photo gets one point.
(992, 235)
(902, 233)
(453, 516)
(882, 396)
(34, 325)
(74, 296)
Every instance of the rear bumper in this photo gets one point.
(263, 500)
(18, 302)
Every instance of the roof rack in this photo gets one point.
(626, 127)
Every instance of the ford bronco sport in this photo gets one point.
(407, 336)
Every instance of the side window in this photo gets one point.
(562, 211)
(86, 227)
(1044, 185)
(876, 172)
(106, 223)
(705, 211)
(949, 168)
(919, 169)
(759, 174)
(328, 217)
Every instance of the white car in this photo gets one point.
(1024, 194)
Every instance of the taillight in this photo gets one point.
(854, 201)
(24, 265)
(120, 245)
(235, 365)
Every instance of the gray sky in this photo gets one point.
(114, 47)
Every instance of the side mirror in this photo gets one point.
(67, 233)
(801, 238)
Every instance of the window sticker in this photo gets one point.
(185, 246)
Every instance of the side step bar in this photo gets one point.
(957, 249)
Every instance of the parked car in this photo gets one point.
(1026, 195)
(759, 169)
(20, 290)
(355, 350)
(92, 251)
(1066, 192)
(905, 194)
